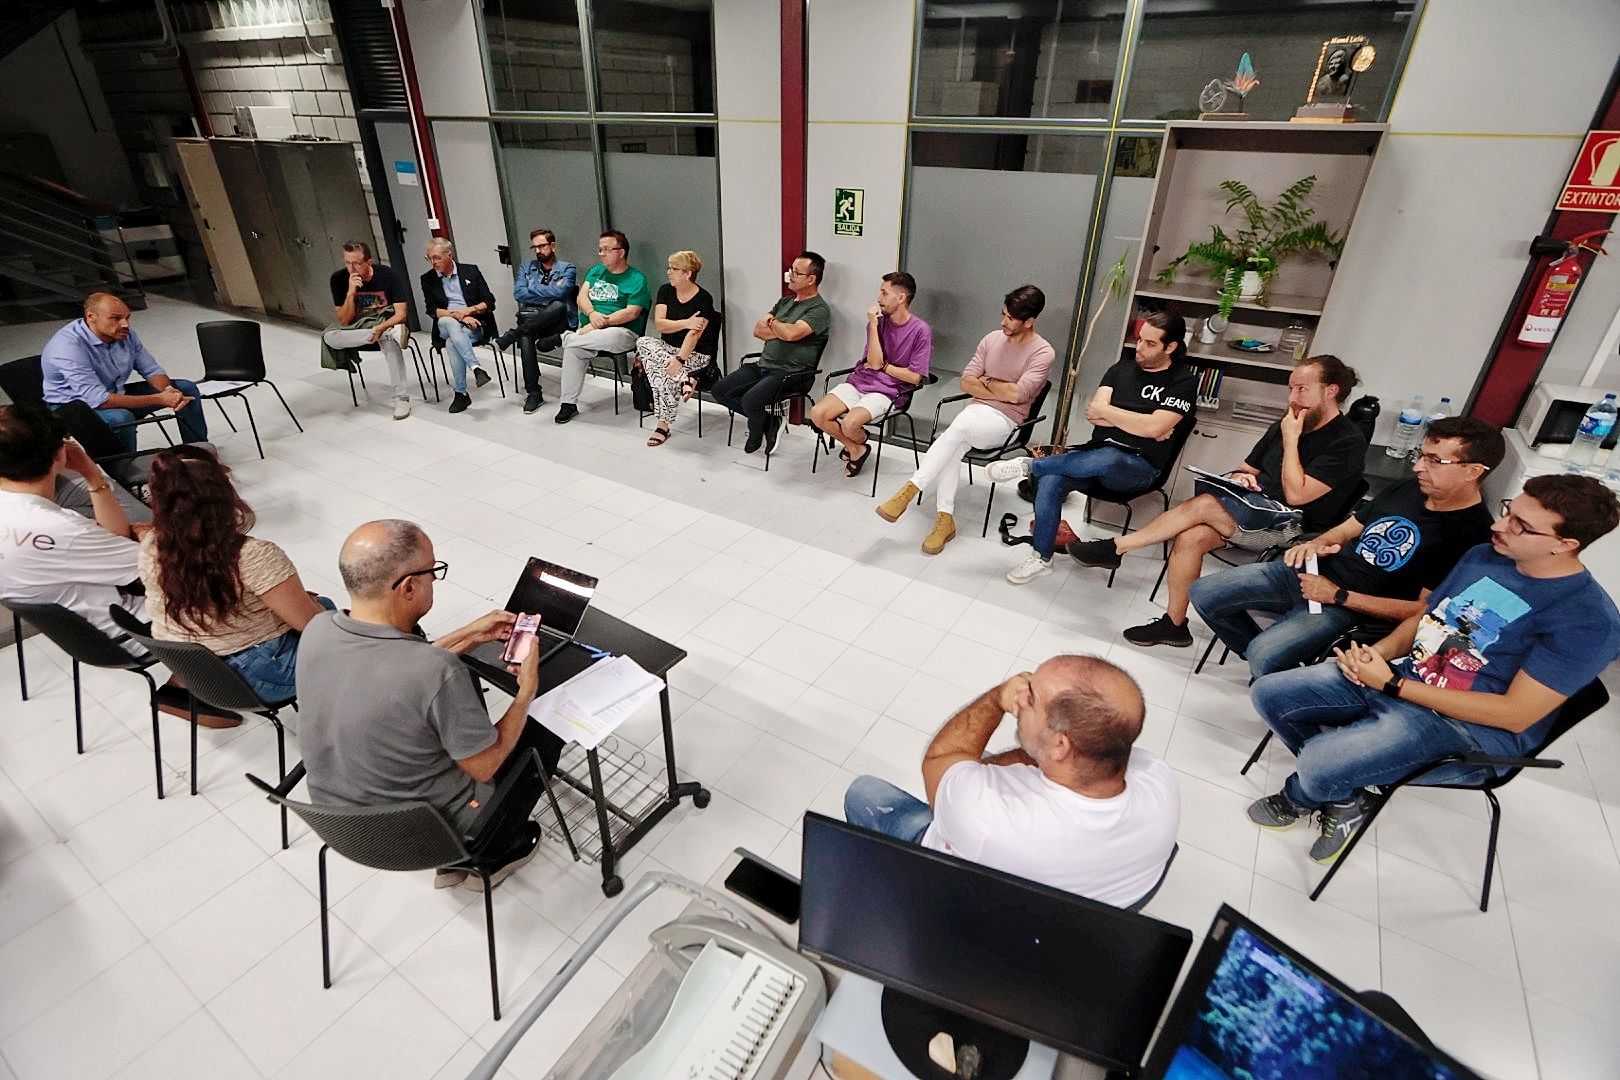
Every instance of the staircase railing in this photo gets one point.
(52, 249)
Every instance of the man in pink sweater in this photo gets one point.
(1006, 373)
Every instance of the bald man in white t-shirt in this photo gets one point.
(1077, 806)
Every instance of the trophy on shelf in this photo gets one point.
(1212, 99)
(1327, 101)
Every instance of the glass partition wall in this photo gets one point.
(1036, 127)
(609, 126)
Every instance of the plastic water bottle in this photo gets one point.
(1441, 412)
(1405, 436)
(1595, 427)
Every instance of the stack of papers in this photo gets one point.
(587, 708)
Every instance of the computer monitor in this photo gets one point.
(1012, 954)
(1252, 1006)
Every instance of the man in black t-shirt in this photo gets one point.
(1404, 543)
(373, 301)
(1308, 460)
(1134, 412)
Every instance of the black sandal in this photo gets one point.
(853, 469)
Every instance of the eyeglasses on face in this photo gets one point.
(438, 570)
(1432, 459)
(1517, 525)
(540, 245)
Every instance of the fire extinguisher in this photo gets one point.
(1557, 287)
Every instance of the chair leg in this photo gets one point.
(1344, 856)
(326, 939)
(193, 742)
(157, 733)
(253, 424)
(22, 667)
(989, 504)
(877, 462)
(1490, 851)
(352, 395)
(489, 931)
(556, 808)
(284, 405)
(221, 407)
(1202, 660)
(281, 770)
(1260, 748)
(78, 712)
(1160, 581)
(730, 424)
(1125, 529)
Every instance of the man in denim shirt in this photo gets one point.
(544, 292)
(91, 360)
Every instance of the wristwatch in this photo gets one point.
(1393, 687)
(1342, 595)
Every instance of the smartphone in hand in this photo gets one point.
(524, 634)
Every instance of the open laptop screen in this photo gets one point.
(555, 593)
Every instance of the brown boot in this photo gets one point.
(944, 532)
(891, 510)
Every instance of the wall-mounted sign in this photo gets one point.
(849, 211)
(1594, 182)
(405, 173)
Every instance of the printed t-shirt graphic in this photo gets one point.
(1452, 637)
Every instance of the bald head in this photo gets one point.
(1096, 705)
(107, 316)
(377, 553)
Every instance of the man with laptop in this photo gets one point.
(388, 716)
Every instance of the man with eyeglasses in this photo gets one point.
(1372, 568)
(1516, 628)
(613, 304)
(544, 292)
(794, 332)
(387, 716)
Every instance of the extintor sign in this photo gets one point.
(1594, 182)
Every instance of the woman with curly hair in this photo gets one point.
(209, 582)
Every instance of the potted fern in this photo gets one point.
(1244, 262)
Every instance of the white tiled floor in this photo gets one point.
(174, 938)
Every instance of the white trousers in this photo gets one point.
(977, 427)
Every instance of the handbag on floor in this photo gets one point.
(641, 395)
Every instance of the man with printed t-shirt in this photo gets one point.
(1309, 461)
(373, 301)
(1503, 641)
(613, 303)
(794, 333)
(1134, 412)
(1372, 568)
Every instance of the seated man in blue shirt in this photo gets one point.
(544, 291)
(1504, 640)
(91, 360)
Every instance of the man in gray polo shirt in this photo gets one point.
(387, 716)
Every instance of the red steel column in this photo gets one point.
(1511, 370)
(794, 91)
(421, 133)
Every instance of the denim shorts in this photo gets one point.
(270, 667)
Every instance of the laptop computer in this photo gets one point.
(558, 595)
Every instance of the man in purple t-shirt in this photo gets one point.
(898, 348)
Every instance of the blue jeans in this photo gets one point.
(459, 340)
(1225, 601)
(270, 666)
(878, 805)
(1119, 470)
(193, 425)
(1346, 737)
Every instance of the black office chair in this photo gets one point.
(798, 385)
(394, 836)
(876, 428)
(233, 351)
(1017, 442)
(1583, 703)
(86, 643)
(1157, 885)
(23, 380)
(211, 681)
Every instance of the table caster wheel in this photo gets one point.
(701, 798)
(613, 886)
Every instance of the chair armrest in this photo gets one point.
(1501, 762)
(940, 404)
(840, 371)
(750, 358)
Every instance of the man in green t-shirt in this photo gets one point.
(613, 305)
(794, 334)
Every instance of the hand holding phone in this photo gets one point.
(522, 640)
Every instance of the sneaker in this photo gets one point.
(508, 339)
(1339, 823)
(548, 344)
(566, 413)
(754, 442)
(459, 403)
(476, 883)
(480, 377)
(1160, 631)
(1003, 471)
(402, 409)
(773, 425)
(898, 502)
(1031, 568)
(531, 403)
(448, 879)
(1095, 553)
(944, 532)
(1277, 812)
